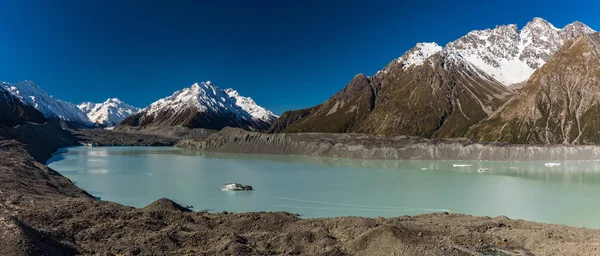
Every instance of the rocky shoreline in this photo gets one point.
(43, 213)
(364, 146)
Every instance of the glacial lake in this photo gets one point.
(566, 192)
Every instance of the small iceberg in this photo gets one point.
(462, 165)
(482, 170)
(236, 187)
(91, 144)
(552, 164)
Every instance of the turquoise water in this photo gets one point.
(558, 192)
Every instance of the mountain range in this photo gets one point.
(536, 84)
(441, 92)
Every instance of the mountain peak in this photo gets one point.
(540, 22)
(558, 104)
(511, 56)
(417, 55)
(113, 100)
(204, 105)
(574, 30)
(31, 94)
(109, 113)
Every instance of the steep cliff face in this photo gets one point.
(560, 103)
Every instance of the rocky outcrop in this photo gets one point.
(560, 104)
(165, 204)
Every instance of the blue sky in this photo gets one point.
(284, 54)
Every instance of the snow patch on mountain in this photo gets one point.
(50, 107)
(417, 55)
(511, 56)
(205, 97)
(109, 113)
(505, 53)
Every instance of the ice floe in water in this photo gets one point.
(552, 164)
(462, 165)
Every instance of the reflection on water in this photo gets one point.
(557, 192)
(583, 171)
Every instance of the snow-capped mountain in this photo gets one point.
(505, 53)
(52, 108)
(248, 105)
(13, 111)
(437, 92)
(204, 105)
(418, 54)
(109, 113)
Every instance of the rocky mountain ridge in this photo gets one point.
(505, 53)
(53, 109)
(436, 92)
(559, 104)
(14, 112)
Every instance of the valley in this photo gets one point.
(498, 122)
